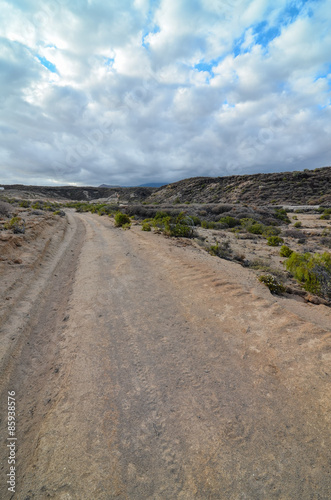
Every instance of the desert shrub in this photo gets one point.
(281, 214)
(294, 233)
(16, 224)
(263, 265)
(106, 210)
(222, 250)
(219, 225)
(208, 225)
(274, 241)
(325, 217)
(229, 221)
(161, 215)
(196, 220)
(179, 226)
(285, 251)
(313, 271)
(274, 285)
(121, 219)
(79, 206)
(298, 224)
(127, 225)
(146, 226)
(252, 226)
(295, 217)
(5, 209)
(49, 208)
(271, 231)
(38, 205)
(24, 203)
(221, 208)
(326, 241)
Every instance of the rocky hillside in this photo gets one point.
(114, 194)
(298, 188)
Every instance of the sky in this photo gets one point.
(126, 92)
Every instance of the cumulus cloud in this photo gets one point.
(134, 91)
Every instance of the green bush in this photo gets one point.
(121, 219)
(24, 203)
(196, 220)
(161, 215)
(146, 226)
(298, 224)
(326, 213)
(281, 214)
(229, 221)
(274, 241)
(222, 250)
(179, 226)
(208, 225)
(272, 283)
(38, 205)
(252, 226)
(271, 231)
(16, 224)
(313, 271)
(285, 251)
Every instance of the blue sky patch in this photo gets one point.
(51, 67)
(265, 33)
(237, 49)
(203, 66)
(109, 61)
(293, 10)
(208, 65)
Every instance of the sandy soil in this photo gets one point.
(145, 368)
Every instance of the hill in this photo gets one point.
(136, 194)
(297, 188)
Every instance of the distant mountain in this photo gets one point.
(153, 184)
(148, 184)
(108, 186)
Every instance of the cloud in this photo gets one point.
(150, 90)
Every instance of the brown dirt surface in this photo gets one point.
(144, 368)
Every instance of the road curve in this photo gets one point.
(152, 370)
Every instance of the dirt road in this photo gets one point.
(147, 369)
